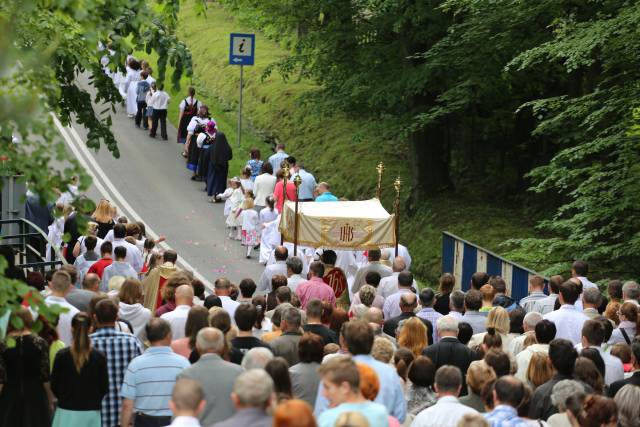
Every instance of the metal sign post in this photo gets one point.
(241, 52)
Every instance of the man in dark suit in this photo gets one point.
(408, 304)
(633, 379)
(449, 350)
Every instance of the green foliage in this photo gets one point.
(44, 46)
(494, 97)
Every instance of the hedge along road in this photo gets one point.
(149, 182)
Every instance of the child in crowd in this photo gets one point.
(250, 225)
(226, 197)
(235, 205)
(254, 163)
(245, 179)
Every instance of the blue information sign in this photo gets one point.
(242, 49)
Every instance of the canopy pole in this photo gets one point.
(285, 178)
(380, 169)
(296, 181)
(397, 184)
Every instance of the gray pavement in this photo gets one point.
(151, 176)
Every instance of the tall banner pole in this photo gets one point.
(240, 105)
(297, 181)
(285, 179)
(397, 185)
(380, 169)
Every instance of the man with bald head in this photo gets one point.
(215, 375)
(391, 307)
(408, 303)
(178, 317)
(223, 288)
(80, 298)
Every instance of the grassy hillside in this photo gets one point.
(337, 149)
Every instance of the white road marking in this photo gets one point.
(80, 150)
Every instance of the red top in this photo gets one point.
(337, 280)
(99, 266)
(277, 193)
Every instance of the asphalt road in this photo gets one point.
(150, 182)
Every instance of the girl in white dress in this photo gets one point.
(234, 220)
(131, 86)
(250, 225)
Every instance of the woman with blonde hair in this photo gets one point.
(498, 319)
(478, 375)
(79, 378)
(540, 370)
(103, 216)
(413, 335)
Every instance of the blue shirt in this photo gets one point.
(150, 378)
(276, 160)
(375, 413)
(307, 185)
(390, 395)
(326, 197)
(428, 313)
(256, 166)
(505, 416)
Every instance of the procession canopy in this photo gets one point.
(339, 225)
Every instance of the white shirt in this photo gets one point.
(517, 344)
(389, 285)
(447, 412)
(587, 284)
(230, 306)
(568, 321)
(133, 258)
(160, 100)
(263, 187)
(276, 160)
(64, 321)
(613, 369)
(188, 100)
(403, 252)
(524, 358)
(391, 306)
(264, 284)
(294, 281)
(177, 319)
(185, 422)
(195, 121)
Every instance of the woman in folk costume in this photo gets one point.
(188, 110)
(250, 225)
(234, 221)
(156, 279)
(131, 86)
(221, 154)
(205, 141)
(196, 126)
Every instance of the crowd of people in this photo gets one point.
(309, 344)
(323, 338)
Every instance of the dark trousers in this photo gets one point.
(161, 116)
(142, 109)
(142, 420)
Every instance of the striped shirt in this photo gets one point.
(150, 378)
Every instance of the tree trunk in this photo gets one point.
(430, 172)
